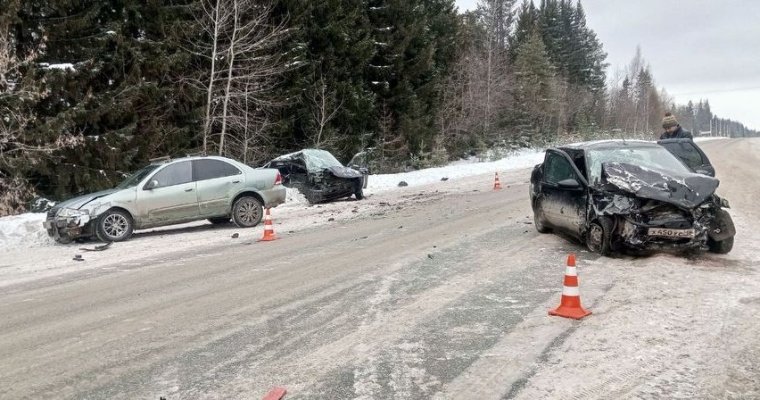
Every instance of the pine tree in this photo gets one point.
(534, 92)
(117, 88)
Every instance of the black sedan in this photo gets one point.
(636, 195)
(319, 175)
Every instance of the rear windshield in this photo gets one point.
(650, 157)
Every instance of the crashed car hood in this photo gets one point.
(78, 202)
(683, 190)
(345, 172)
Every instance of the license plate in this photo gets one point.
(47, 225)
(673, 233)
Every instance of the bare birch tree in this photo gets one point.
(245, 63)
(324, 109)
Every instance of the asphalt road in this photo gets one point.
(430, 300)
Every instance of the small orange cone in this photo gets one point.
(268, 228)
(570, 306)
(496, 183)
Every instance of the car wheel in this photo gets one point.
(219, 220)
(358, 190)
(598, 236)
(538, 219)
(721, 247)
(247, 212)
(114, 226)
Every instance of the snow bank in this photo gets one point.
(458, 169)
(23, 230)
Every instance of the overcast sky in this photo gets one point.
(695, 48)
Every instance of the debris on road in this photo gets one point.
(97, 248)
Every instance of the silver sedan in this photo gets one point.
(170, 192)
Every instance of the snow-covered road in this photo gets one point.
(436, 290)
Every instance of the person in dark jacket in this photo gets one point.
(672, 129)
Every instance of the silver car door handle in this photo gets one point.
(189, 190)
(235, 181)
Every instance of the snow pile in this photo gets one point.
(294, 197)
(23, 230)
(459, 169)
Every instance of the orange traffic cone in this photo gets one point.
(268, 228)
(496, 183)
(570, 306)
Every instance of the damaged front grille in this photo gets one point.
(655, 213)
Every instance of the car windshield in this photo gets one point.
(317, 160)
(648, 157)
(136, 177)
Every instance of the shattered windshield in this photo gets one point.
(648, 157)
(317, 160)
(136, 177)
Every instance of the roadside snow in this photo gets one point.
(456, 170)
(23, 230)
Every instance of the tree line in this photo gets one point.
(92, 89)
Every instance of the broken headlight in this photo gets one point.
(71, 212)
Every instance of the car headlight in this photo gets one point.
(71, 212)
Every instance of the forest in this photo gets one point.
(92, 89)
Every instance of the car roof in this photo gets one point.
(167, 160)
(609, 144)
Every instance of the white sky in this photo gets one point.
(696, 48)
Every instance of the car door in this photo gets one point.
(217, 183)
(564, 193)
(169, 196)
(690, 154)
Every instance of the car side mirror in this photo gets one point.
(569, 184)
(151, 185)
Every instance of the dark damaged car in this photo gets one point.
(628, 195)
(319, 175)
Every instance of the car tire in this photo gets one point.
(219, 220)
(539, 222)
(721, 247)
(247, 212)
(598, 236)
(114, 226)
(358, 190)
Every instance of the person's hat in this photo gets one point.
(669, 121)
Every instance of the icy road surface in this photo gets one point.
(429, 292)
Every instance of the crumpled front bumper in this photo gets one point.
(66, 229)
(636, 236)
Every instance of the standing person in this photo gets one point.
(672, 129)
